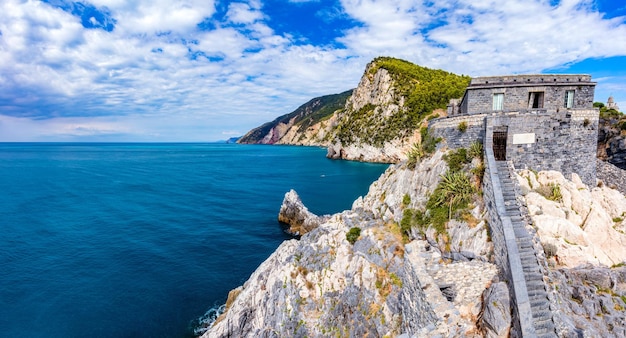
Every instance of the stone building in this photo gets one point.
(539, 122)
(610, 103)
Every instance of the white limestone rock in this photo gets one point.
(585, 226)
(297, 216)
(322, 285)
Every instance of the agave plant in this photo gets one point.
(455, 189)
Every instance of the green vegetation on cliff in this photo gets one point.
(422, 89)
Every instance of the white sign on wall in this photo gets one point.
(524, 138)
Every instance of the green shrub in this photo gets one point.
(551, 192)
(479, 172)
(414, 155)
(476, 150)
(454, 192)
(462, 127)
(456, 159)
(353, 235)
(429, 142)
(406, 200)
(623, 125)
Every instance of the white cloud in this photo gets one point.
(158, 16)
(156, 76)
(242, 13)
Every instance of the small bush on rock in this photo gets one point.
(462, 126)
(353, 235)
(456, 159)
(551, 192)
(406, 200)
(476, 150)
(549, 249)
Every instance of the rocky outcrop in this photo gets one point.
(612, 141)
(496, 317)
(377, 285)
(379, 121)
(611, 176)
(579, 225)
(379, 91)
(590, 300)
(582, 233)
(298, 217)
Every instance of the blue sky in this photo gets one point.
(207, 70)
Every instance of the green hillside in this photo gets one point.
(423, 89)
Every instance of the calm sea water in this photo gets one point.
(128, 240)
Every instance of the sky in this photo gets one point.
(208, 70)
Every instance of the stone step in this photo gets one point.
(546, 335)
(539, 305)
(535, 284)
(526, 253)
(531, 269)
(537, 293)
(525, 243)
(520, 232)
(541, 314)
(525, 249)
(532, 275)
(545, 324)
(519, 225)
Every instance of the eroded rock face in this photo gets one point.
(378, 90)
(297, 216)
(591, 300)
(583, 226)
(322, 285)
(496, 319)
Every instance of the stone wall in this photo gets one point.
(479, 95)
(564, 142)
(612, 176)
(448, 129)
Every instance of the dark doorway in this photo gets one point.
(535, 100)
(499, 145)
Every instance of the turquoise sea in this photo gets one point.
(140, 240)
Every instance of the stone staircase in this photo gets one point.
(539, 303)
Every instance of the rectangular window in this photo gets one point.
(535, 100)
(498, 101)
(569, 99)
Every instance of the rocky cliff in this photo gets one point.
(582, 231)
(414, 257)
(304, 126)
(612, 140)
(380, 119)
(361, 272)
(378, 280)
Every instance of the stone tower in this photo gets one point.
(610, 104)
